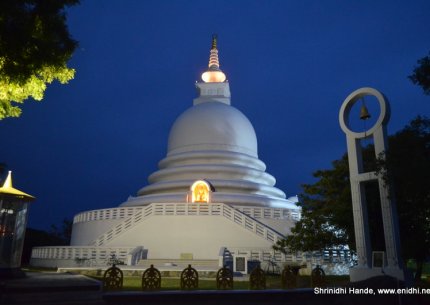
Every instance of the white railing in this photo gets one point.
(106, 214)
(329, 256)
(262, 254)
(190, 209)
(83, 254)
(274, 213)
(123, 226)
(251, 224)
(332, 263)
(183, 209)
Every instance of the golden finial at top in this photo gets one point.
(213, 74)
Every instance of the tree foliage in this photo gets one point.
(37, 238)
(64, 233)
(35, 46)
(327, 219)
(326, 215)
(55, 236)
(407, 165)
(3, 167)
(421, 74)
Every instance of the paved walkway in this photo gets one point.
(52, 288)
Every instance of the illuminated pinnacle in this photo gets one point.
(214, 37)
(213, 58)
(8, 182)
(8, 189)
(213, 74)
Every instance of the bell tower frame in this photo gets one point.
(392, 265)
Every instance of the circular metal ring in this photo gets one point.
(351, 100)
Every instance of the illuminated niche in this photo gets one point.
(200, 192)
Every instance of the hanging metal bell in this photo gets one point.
(364, 113)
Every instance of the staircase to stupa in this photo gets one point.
(189, 209)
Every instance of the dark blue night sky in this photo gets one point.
(92, 143)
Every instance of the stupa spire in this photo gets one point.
(213, 74)
(8, 189)
(8, 182)
(214, 38)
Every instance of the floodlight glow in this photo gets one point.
(213, 77)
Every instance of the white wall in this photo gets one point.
(203, 236)
(283, 226)
(84, 233)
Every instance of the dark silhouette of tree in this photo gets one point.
(37, 238)
(3, 167)
(64, 232)
(35, 46)
(55, 236)
(407, 167)
(421, 74)
(327, 219)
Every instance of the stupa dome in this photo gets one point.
(215, 142)
(212, 126)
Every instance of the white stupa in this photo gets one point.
(210, 196)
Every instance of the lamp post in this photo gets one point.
(13, 222)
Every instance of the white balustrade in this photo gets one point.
(191, 209)
(183, 209)
(82, 253)
(105, 214)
